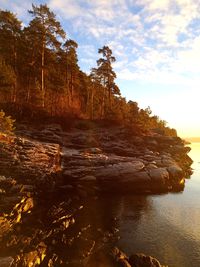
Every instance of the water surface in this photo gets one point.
(165, 226)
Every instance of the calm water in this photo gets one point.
(164, 226)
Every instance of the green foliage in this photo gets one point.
(6, 123)
(45, 25)
(105, 75)
(7, 76)
(10, 29)
(41, 74)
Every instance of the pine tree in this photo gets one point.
(10, 32)
(45, 28)
(107, 75)
(72, 69)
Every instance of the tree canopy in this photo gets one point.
(39, 73)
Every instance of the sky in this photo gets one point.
(156, 44)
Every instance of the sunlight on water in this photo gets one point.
(165, 226)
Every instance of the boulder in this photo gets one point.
(175, 172)
(159, 179)
(119, 258)
(116, 258)
(141, 260)
(160, 176)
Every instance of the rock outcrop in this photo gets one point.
(47, 175)
(29, 159)
(101, 159)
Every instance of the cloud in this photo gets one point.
(18, 7)
(188, 60)
(118, 65)
(68, 8)
(127, 74)
(167, 52)
(170, 18)
(155, 40)
(89, 63)
(157, 5)
(87, 49)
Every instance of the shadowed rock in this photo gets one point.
(135, 260)
(141, 260)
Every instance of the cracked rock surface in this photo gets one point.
(48, 176)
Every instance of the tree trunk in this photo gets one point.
(42, 73)
(14, 98)
(109, 92)
(103, 104)
(92, 103)
(72, 89)
(67, 86)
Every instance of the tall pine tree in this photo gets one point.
(46, 29)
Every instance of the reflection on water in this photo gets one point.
(164, 226)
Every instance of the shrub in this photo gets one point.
(6, 123)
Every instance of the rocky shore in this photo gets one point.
(47, 176)
(104, 159)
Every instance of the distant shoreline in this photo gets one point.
(193, 139)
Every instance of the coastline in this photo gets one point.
(49, 163)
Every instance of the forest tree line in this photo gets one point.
(39, 73)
